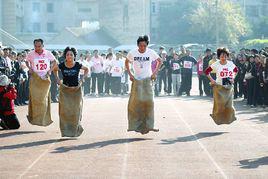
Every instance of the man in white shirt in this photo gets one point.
(141, 105)
(97, 72)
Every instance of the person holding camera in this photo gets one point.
(8, 94)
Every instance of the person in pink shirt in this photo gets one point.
(97, 72)
(39, 60)
(40, 63)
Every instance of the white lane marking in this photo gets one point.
(198, 141)
(36, 160)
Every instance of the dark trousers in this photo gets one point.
(97, 78)
(116, 85)
(125, 84)
(86, 85)
(21, 89)
(238, 87)
(9, 122)
(207, 87)
(162, 78)
(186, 83)
(107, 83)
(26, 88)
(251, 92)
(201, 79)
(156, 86)
(53, 88)
(266, 94)
(169, 82)
(262, 95)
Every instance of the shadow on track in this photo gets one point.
(191, 137)
(97, 145)
(253, 163)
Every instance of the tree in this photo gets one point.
(231, 22)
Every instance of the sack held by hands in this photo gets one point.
(39, 110)
(70, 110)
(223, 110)
(141, 107)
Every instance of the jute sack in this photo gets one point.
(39, 111)
(70, 110)
(141, 107)
(223, 109)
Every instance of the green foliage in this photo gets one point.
(192, 21)
(231, 23)
(256, 43)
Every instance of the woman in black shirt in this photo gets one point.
(70, 69)
(70, 95)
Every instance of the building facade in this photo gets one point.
(11, 19)
(125, 20)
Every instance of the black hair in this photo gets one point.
(67, 49)
(109, 55)
(38, 40)
(144, 38)
(222, 50)
(255, 51)
(208, 50)
(55, 53)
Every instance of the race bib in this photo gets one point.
(200, 67)
(226, 74)
(187, 64)
(176, 66)
(97, 65)
(41, 65)
(117, 70)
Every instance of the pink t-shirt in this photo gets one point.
(97, 64)
(40, 63)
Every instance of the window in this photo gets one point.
(264, 10)
(36, 27)
(153, 7)
(85, 24)
(50, 7)
(50, 27)
(36, 7)
(83, 7)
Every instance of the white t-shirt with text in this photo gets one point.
(223, 71)
(142, 62)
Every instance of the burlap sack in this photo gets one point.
(223, 109)
(141, 107)
(70, 110)
(39, 112)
